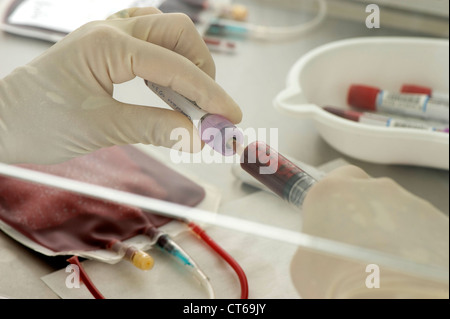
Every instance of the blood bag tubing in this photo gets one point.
(168, 245)
(85, 278)
(222, 253)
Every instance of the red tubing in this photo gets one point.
(199, 232)
(85, 278)
(227, 257)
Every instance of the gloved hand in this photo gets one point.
(348, 206)
(60, 105)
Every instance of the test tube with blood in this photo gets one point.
(276, 172)
(288, 180)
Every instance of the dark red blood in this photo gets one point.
(258, 155)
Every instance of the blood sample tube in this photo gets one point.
(420, 89)
(416, 105)
(288, 181)
(381, 120)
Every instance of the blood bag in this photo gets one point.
(58, 222)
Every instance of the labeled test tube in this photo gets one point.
(421, 89)
(219, 45)
(215, 130)
(276, 172)
(416, 105)
(381, 120)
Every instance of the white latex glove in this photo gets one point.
(376, 213)
(60, 105)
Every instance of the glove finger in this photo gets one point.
(131, 124)
(349, 171)
(134, 12)
(173, 31)
(156, 64)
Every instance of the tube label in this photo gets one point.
(408, 124)
(402, 103)
(417, 105)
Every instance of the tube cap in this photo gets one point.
(417, 89)
(142, 260)
(217, 131)
(363, 96)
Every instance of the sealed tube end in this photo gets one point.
(363, 96)
(217, 131)
(142, 260)
(138, 258)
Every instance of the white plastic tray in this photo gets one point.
(323, 76)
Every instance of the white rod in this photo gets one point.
(177, 211)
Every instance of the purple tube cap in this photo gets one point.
(217, 131)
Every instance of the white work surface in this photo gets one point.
(252, 76)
